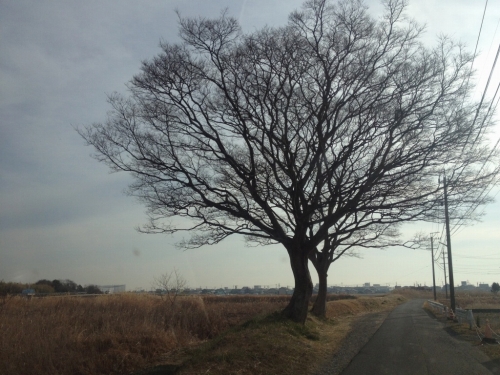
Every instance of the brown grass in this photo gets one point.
(271, 345)
(415, 293)
(111, 334)
(129, 333)
(475, 300)
(362, 304)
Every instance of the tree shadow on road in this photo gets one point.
(493, 366)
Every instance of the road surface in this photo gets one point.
(412, 342)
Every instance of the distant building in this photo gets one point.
(112, 288)
(28, 292)
(485, 287)
(284, 291)
(464, 285)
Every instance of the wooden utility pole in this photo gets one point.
(448, 245)
(444, 268)
(433, 275)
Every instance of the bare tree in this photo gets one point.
(170, 283)
(332, 124)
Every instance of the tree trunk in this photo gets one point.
(299, 303)
(319, 306)
(321, 263)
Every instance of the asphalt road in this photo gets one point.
(412, 342)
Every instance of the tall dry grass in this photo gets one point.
(477, 300)
(112, 334)
(468, 299)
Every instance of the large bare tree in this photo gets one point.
(297, 135)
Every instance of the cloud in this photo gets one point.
(62, 215)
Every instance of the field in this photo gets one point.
(127, 333)
(111, 333)
(476, 300)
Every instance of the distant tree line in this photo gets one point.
(495, 288)
(44, 286)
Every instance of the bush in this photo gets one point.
(495, 287)
(11, 288)
(43, 288)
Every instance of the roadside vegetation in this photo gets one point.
(140, 334)
(274, 345)
(474, 300)
(474, 335)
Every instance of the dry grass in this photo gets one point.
(463, 332)
(129, 333)
(415, 293)
(477, 300)
(272, 345)
(362, 304)
(111, 334)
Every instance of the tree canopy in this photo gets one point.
(495, 287)
(334, 124)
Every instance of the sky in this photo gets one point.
(64, 216)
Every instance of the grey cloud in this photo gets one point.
(58, 59)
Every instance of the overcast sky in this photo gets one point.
(63, 216)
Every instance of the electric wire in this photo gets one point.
(477, 44)
(477, 112)
(440, 249)
(481, 198)
(471, 68)
(492, 41)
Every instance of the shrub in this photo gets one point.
(495, 287)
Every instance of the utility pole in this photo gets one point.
(448, 245)
(433, 275)
(444, 268)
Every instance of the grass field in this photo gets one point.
(477, 300)
(127, 333)
(111, 333)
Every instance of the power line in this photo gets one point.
(491, 43)
(479, 257)
(470, 73)
(477, 43)
(480, 199)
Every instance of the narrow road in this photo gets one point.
(411, 342)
